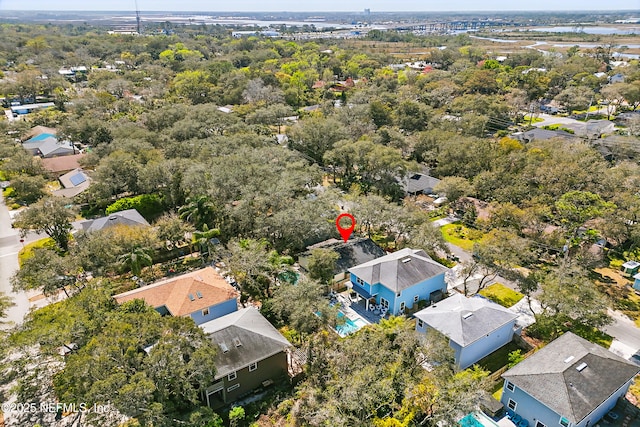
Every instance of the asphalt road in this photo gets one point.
(626, 334)
(9, 247)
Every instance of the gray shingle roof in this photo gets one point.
(354, 252)
(551, 377)
(50, 146)
(130, 217)
(420, 183)
(258, 338)
(465, 320)
(399, 270)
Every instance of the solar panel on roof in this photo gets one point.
(78, 178)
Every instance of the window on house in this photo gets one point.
(384, 303)
(420, 323)
(205, 312)
(402, 306)
(512, 405)
(232, 376)
(416, 298)
(539, 424)
(233, 387)
(510, 386)
(253, 367)
(564, 422)
(359, 281)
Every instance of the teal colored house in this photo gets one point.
(571, 382)
(399, 280)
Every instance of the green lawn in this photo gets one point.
(502, 295)
(527, 119)
(593, 335)
(461, 236)
(498, 358)
(26, 251)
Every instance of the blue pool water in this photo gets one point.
(349, 326)
(477, 419)
(470, 421)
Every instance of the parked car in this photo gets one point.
(636, 358)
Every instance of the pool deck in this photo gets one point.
(356, 309)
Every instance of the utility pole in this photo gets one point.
(139, 28)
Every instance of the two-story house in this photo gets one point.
(475, 326)
(203, 295)
(251, 354)
(570, 382)
(399, 280)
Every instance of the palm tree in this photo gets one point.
(199, 211)
(135, 259)
(203, 238)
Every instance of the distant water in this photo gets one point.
(205, 19)
(589, 30)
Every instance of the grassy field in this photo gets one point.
(461, 236)
(27, 251)
(502, 295)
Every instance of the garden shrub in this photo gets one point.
(150, 206)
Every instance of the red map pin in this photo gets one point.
(346, 232)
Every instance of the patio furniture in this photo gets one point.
(516, 419)
(523, 423)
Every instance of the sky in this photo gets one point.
(322, 5)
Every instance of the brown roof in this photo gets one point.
(176, 293)
(63, 163)
(37, 130)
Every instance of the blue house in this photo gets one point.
(474, 325)
(203, 295)
(399, 280)
(636, 282)
(570, 382)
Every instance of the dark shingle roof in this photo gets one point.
(551, 377)
(352, 253)
(399, 270)
(258, 340)
(465, 320)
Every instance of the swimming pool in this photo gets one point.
(349, 326)
(476, 419)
